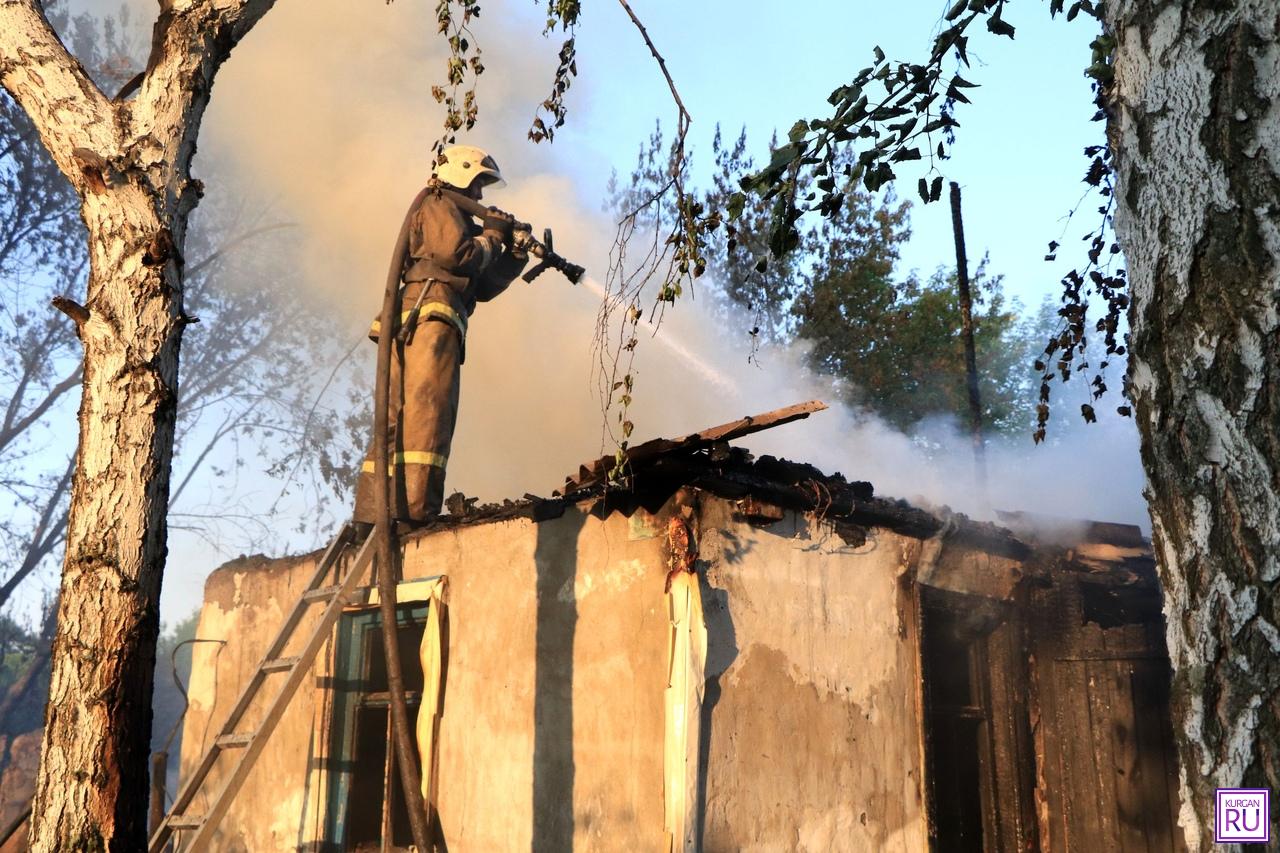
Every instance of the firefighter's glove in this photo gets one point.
(519, 248)
(500, 224)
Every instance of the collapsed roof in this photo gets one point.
(646, 475)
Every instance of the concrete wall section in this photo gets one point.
(245, 603)
(552, 731)
(811, 725)
(552, 735)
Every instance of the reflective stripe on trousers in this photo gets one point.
(442, 310)
(408, 457)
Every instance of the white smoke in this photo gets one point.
(324, 112)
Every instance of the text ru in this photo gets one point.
(1237, 819)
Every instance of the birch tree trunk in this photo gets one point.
(129, 160)
(1195, 128)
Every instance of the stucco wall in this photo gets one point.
(245, 603)
(553, 720)
(811, 727)
(553, 726)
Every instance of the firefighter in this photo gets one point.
(452, 263)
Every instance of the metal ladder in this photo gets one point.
(250, 743)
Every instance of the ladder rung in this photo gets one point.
(232, 741)
(280, 664)
(324, 593)
(194, 821)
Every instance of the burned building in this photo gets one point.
(728, 653)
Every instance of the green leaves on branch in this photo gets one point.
(1100, 68)
(1066, 353)
(563, 14)
(1102, 276)
(889, 113)
(554, 104)
(453, 20)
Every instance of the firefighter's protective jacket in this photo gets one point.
(452, 264)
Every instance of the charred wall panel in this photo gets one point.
(981, 760)
(1101, 713)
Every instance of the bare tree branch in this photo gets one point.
(67, 108)
(306, 426)
(229, 425)
(44, 538)
(30, 365)
(227, 246)
(674, 256)
(662, 63)
(19, 426)
(19, 139)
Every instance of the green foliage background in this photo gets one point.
(889, 338)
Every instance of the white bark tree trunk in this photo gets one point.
(91, 789)
(129, 160)
(1195, 129)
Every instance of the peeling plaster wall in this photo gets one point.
(245, 603)
(552, 732)
(811, 725)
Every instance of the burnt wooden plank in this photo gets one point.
(998, 752)
(1057, 778)
(980, 693)
(1156, 637)
(1102, 720)
(1081, 815)
(1012, 748)
(598, 471)
(1089, 640)
(1051, 807)
(1159, 769)
(1099, 700)
(1111, 533)
(1129, 777)
(1080, 789)
(1129, 639)
(1113, 656)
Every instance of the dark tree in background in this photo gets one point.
(888, 337)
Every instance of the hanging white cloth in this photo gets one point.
(686, 681)
(431, 656)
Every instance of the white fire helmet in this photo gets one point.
(460, 165)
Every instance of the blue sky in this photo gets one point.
(1019, 157)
